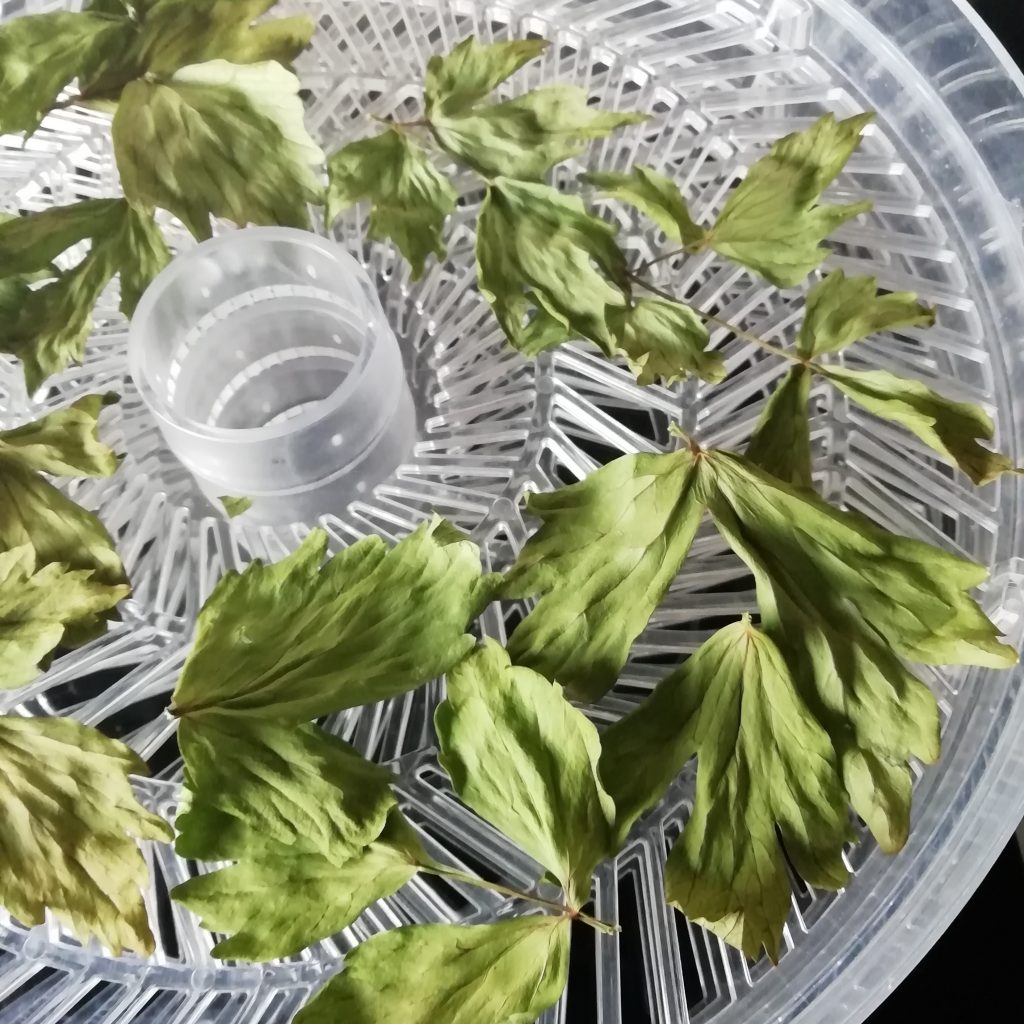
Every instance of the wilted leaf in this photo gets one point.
(52, 323)
(842, 310)
(219, 139)
(503, 973)
(773, 222)
(845, 601)
(656, 196)
(526, 760)
(41, 54)
(456, 82)
(603, 560)
(526, 136)
(763, 763)
(666, 340)
(35, 607)
(276, 904)
(368, 624)
(235, 506)
(298, 809)
(781, 442)
(949, 427)
(33, 512)
(410, 198)
(68, 824)
(538, 249)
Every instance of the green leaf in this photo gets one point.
(609, 548)
(219, 139)
(276, 904)
(951, 428)
(842, 310)
(303, 814)
(31, 243)
(235, 506)
(666, 340)
(458, 81)
(845, 601)
(763, 763)
(52, 323)
(66, 830)
(773, 222)
(525, 759)
(781, 442)
(411, 198)
(36, 606)
(34, 512)
(369, 624)
(656, 196)
(525, 137)
(64, 442)
(144, 253)
(538, 248)
(177, 33)
(503, 973)
(273, 787)
(41, 54)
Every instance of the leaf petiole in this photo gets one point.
(718, 321)
(560, 909)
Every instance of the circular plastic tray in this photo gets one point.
(723, 78)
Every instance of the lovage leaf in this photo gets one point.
(525, 759)
(167, 35)
(31, 243)
(235, 506)
(411, 198)
(177, 33)
(219, 139)
(842, 310)
(368, 624)
(64, 442)
(666, 340)
(951, 428)
(52, 323)
(34, 512)
(460, 79)
(41, 54)
(526, 136)
(774, 221)
(609, 548)
(273, 786)
(68, 827)
(781, 442)
(656, 196)
(36, 606)
(503, 973)
(845, 601)
(764, 763)
(276, 904)
(304, 816)
(539, 249)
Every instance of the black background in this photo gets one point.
(972, 969)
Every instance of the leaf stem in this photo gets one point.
(711, 318)
(561, 909)
(400, 125)
(684, 251)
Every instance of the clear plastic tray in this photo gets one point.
(724, 77)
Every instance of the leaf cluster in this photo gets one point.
(794, 720)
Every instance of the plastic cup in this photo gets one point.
(265, 356)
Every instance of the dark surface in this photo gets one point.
(971, 970)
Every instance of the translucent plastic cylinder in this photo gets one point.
(265, 356)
